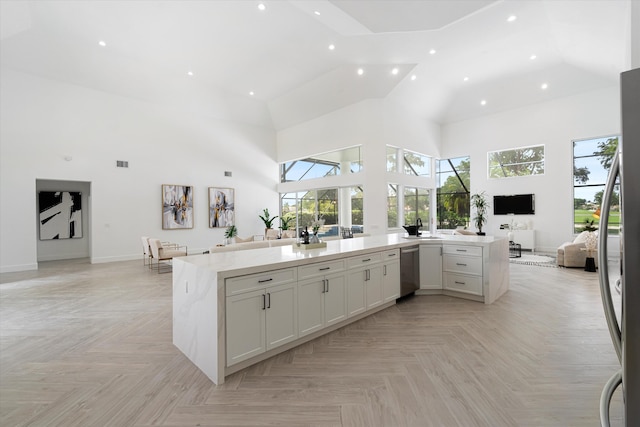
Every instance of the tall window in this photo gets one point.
(392, 205)
(516, 162)
(453, 196)
(591, 164)
(416, 205)
(356, 195)
(392, 159)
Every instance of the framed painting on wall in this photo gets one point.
(60, 215)
(177, 207)
(221, 207)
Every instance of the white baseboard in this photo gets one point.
(102, 260)
(17, 268)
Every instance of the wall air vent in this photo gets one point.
(227, 173)
(122, 164)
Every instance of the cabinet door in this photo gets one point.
(281, 315)
(335, 299)
(391, 281)
(311, 305)
(356, 302)
(373, 286)
(245, 326)
(430, 267)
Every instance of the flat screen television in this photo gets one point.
(517, 204)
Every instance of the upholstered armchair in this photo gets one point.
(163, 255)
(574, 254)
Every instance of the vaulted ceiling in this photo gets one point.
(448, 55)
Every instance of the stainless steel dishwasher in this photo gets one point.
(409, 270)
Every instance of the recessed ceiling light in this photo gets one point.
(261, 6)
(512, 18)
(432, 52)
(316, 12)
(360, 71)
(189, 73)
(102, 43)
(544, 86)
(414, 77)
(332, 46)
(483, 102)
(466, 79)
(533, 56)
(251, 93)
(394, 71)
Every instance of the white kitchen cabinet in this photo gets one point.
(462, 269)
(321, 296)
(364, 283)
(430, 267)
(390, 275)
(261, 313)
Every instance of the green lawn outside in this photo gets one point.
(580, 215)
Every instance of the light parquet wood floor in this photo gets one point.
(90, 345)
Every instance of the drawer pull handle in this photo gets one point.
(459, 283)
(461, 250)
(269, 300)
(459, 263)
(366, 260)
(265, 280)
(393, 254)
(264, 302)
(324, 268)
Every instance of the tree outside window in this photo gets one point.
(523, 161)
(392, 205)
(453, 195)
(416, 205)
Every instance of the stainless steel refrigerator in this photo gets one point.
(625, 333)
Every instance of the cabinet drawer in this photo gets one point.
(252, 282)
(463, 283)
(320, 269)
(462, 250)
(463, 264)
(390, 255)
(363, 261)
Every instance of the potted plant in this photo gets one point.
(284, 222)
(481, 204)
(230, 233)
(267, 219)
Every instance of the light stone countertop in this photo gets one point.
(241, 262)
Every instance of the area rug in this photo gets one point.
(538, 260)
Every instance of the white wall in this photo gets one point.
(373, 124)
(555, 124)
(43, 121)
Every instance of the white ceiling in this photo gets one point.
(282, 55)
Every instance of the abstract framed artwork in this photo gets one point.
(221, 207)
(60, 215)
(177, 207)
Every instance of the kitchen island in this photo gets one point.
(234, 309)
